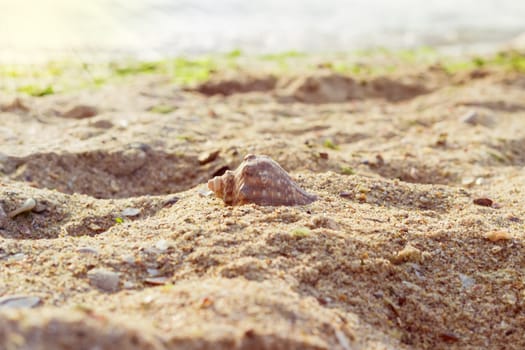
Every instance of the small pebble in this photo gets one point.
(207, 157)
(204, 193)
(343, 340)
(477, 118)
(87, 250)
(157, 281)
(408, 253)
(485, 202)
(123, 124)
(162, 245)
(148, 299)
(94, 227)
(153, 272)
(19, 301)
(170, 201)
(468, 181)
(102, 124)
(497, 205)
(130, 212)
(417, 270)
(105, 280)
(449, 337)
(496, 249)
(442, 139)
(80, 112)
(380, 161)
(379, 294)
(466, 281)
(514, 219)
(17, 257)
(324, 300)
(324, 222)
(471, 181)
(424, 200)
(469, 117)
(509, 299)
(3, 218)
(129, 285)
(129, 259)
(495, 236)
(413, 173)
(412, 286)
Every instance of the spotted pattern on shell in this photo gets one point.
(259, 180)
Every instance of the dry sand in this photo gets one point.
(416, 241)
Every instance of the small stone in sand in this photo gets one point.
(408, 253)
(162, 245)
(80, 112)
(102, 124)
(514, 218)
(3, 217)
(495, 236)
(477, 118)
(449, 337)
(343, 340)
(471, 181)
(485, 202)
(105, 280)
(19, 301)
(466, 281)
(207, 157)
(87, 250)
(17, 257)
(204, 192)
(324, 222)
(170, 201)
(156, 281)
(153, 272)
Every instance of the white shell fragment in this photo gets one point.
(28, 205)
(128, 212)
(19, 301)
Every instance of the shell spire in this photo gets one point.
(259, 180)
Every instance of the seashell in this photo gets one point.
(259, 180)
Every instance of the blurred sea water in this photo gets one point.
(37, 29)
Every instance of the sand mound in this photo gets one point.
(323, 87)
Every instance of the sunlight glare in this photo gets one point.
(59, 25)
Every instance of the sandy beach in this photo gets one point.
(416, 240)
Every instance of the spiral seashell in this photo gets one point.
(259, 180)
